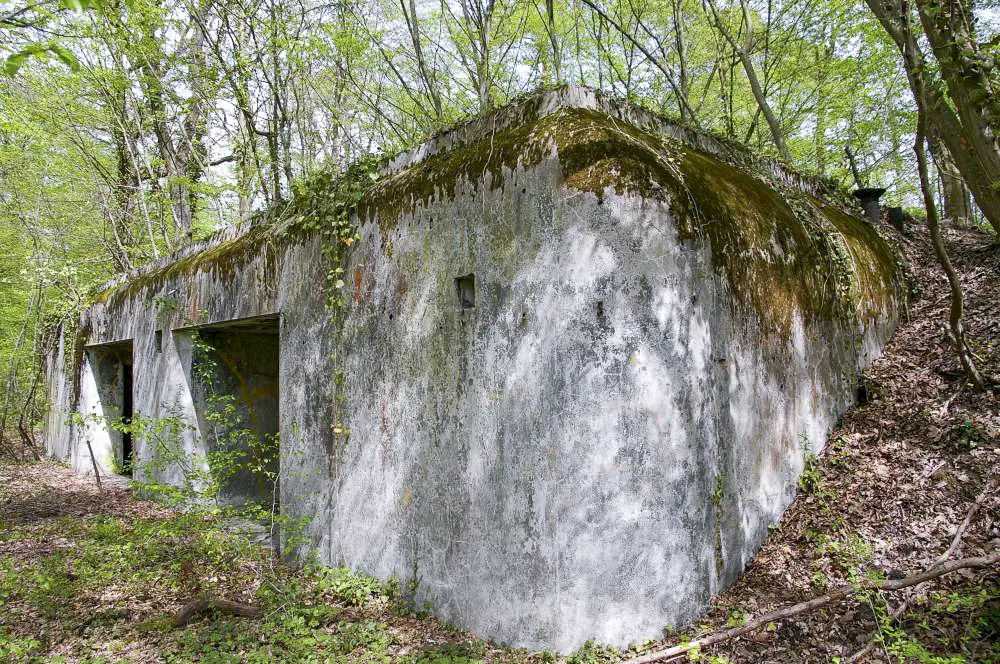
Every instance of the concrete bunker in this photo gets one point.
(589, 437)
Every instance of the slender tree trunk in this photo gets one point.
(970, 133)
(683, 81)
(484, 74)
(957, 298)
(742, 52)
(955, 195)
(550, 23)
(825, 55)
(429, 81)
(852, 161)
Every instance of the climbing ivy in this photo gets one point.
(326, 203)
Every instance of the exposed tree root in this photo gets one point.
(192, 609)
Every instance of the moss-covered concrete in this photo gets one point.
(776, 246)
(224, 258)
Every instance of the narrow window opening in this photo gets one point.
(465, 288)
(158, 341)
(861, 394)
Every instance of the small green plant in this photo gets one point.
(968, 435)
(14, 648)
(851, 553)
(810, 480)
(354, 588)
(737, 618)
(838, 455)
(592, 652)
(372, 636)
(466, 652)
(719, 491)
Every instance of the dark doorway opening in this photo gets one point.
(234, 384)
(111, 364)
(128, 455)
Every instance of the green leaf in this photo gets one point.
(65, 56)
(14, 62)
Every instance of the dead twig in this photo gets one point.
(947, 404)
(803, 607)
(93, 461)
(960, 533)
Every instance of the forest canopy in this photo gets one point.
(130, 128)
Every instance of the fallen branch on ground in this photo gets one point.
(960, 532)
(955, 543)
(190, 610)
(804, 607)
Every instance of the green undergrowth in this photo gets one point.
(103, 588)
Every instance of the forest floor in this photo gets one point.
(88, 575)
(897, 478)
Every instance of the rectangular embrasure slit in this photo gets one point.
(465, 288)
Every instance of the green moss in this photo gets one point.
(771, 260)
(224, 259)
(594, 152)
(874, 263)
(777, 248)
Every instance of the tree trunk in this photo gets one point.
(409, 8)
(550, 23)
(956, 198)
(957, 298)
(742, 52)
(968, 133)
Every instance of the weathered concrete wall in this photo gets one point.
(599, 444)
(159, 317)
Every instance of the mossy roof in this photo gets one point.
(776, 236)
